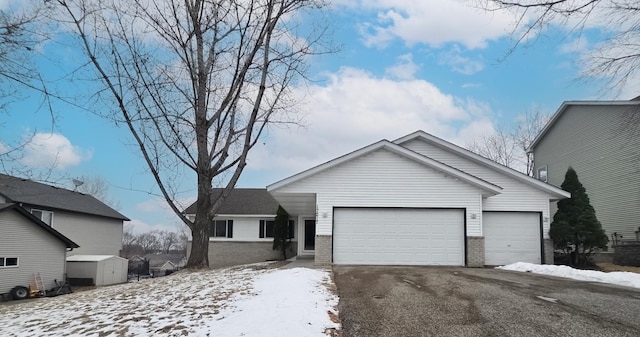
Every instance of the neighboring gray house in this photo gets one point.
(96, 227)
(29, 246)
(593, 137)
(242, 230)
(418, 200)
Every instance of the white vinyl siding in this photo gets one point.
(511, 237)
(386, 179)
(384, 236)
(38, 252)
(246, 228)
(516, 196)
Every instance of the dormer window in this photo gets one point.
(45, 216)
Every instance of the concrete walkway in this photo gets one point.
(301, 262)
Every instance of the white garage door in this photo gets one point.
(398, 236)
(511, 237)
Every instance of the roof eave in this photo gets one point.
(565, 105)
(552, 190)
(483, 185)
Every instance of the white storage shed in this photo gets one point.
(103, 269)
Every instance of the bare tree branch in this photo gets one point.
(196, 82)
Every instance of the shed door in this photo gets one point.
(390, 236)
(511, 237)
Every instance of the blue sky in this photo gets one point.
(438, 66)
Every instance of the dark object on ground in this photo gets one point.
(81, 281)
(19, 293)
(62, 288)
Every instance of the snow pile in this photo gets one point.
(627, 279)
(290, 302)
(246, 301)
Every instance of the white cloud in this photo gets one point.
(138, 226)
(577, 45)
(459, 63)
(356, 109)
(159, 205)
(52, 150)
(432, 22)
(404, 69)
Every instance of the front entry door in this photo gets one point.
(309, 235)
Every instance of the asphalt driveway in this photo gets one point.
(448, 301)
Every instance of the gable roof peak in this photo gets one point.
(453, 148)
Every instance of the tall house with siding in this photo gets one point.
(601, 141)
(94, 226)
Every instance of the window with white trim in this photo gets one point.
(266, 229)
(8, 262)
(45, 216)
(221, 229)
(542, 174)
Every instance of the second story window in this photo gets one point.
(542, 174)
(45, 216)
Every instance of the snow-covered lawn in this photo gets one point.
(622, 278)
(248, 301)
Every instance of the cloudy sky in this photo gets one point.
(442, 66)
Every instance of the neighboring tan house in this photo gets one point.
(29, 246)
(242, 230)
(418, 200)
(96, 227)
(593, 137)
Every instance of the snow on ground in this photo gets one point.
(248, 301)
(621, 278)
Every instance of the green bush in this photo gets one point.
(575, 229)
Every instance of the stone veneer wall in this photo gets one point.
(475, 251)
(548, 251)
(324, 250)
(232, 253)
(627, 254)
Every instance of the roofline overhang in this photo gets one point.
(565, 105)
(552, 190)
(488, 188)
(70, 244)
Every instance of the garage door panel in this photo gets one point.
(511, 237)
(398, 236)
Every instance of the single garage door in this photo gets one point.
(390, 236)
(511, 237)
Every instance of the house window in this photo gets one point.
(542, 174)
(266, 228)
(45, 216)
(221, 229)
(8, 262)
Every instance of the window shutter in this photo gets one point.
(291, 229)
(261, 229)
(212, 229)
(230, 228)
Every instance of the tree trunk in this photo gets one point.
(199, 257)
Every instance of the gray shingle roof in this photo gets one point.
(243, 201)
(29, 192)
(30, 217)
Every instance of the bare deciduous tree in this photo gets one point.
(196, 82)
(617, 58)
(98, 187)
(19, 37)
(508, 145)
(168, 240)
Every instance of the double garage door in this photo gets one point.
(389, 236)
